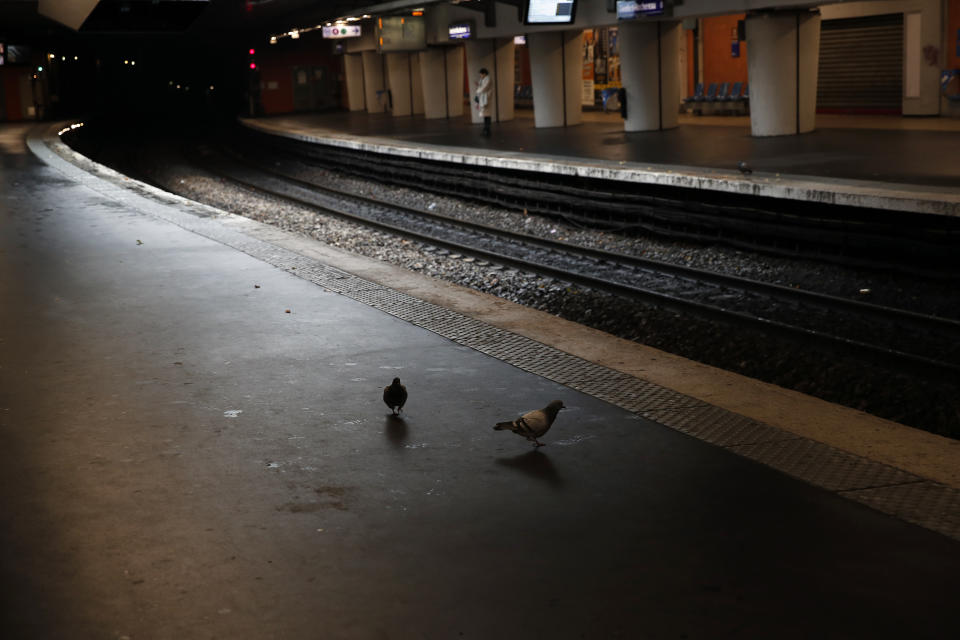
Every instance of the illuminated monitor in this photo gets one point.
(550, 11)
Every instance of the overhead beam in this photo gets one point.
(71, 13)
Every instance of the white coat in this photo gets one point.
(483, 96)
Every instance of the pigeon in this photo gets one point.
(395, 395)
(744, 168)
(533, 424)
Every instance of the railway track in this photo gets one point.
(914, 244)
(896, 337)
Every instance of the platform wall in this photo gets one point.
(299, 80)
(15, 95)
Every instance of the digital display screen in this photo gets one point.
(629, 9)
(550, 11)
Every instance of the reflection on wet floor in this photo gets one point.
(396, 430)
(536, 465)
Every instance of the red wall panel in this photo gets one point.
(11, 92)
(719, 65)
(276, 71)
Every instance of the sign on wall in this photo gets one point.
(342, 31)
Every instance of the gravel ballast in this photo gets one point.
(926, 403)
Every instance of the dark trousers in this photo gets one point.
(486, 125)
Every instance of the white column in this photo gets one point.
(399, 82)
(373, 81)
(497, 57)
(505, 62)
(454, 56)
(353, 75)
(556, 67)
(782, 65)
(416, 83)
(433, 82)
(649, 64)
(441, 77)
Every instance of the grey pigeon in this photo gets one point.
(395, 396)
(744, 168)
(533, 424)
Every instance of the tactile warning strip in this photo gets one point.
(824, 465)
(718, 426)
(927, 504)
(884, 488)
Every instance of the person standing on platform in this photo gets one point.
(482, 100)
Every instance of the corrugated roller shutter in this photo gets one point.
(861, 64)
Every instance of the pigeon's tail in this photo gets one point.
(503, 425)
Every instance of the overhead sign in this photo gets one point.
(460, 31)
(342, 31)
(629, 9)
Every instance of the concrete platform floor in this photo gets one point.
(895, 150)
(184, 458)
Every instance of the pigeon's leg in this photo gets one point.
(537, 443)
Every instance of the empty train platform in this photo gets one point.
(863, 161)
(195, 446)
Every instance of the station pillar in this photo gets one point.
(496, 55)
(441, 76)
(556, 67)
(374, 82)
(783, 63)
(403, 80)
(353, 76)
(650, 72)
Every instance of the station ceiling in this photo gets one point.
(21, 19)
